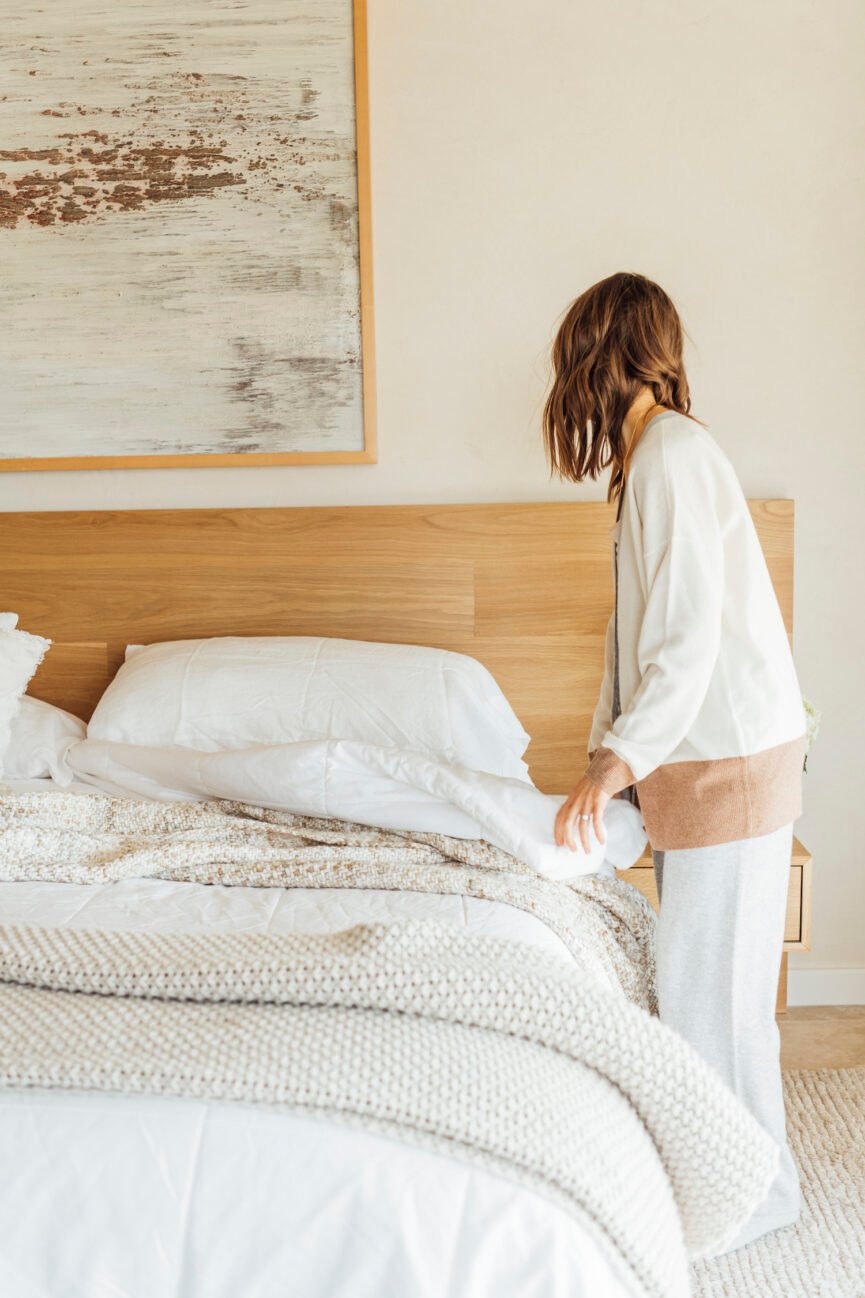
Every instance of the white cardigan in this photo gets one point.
(712, 724)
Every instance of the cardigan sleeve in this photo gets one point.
(679, 638)
(603, 715)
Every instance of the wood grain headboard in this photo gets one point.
(525, 588)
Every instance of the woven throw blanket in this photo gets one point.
(605, 923)
(478, 1045)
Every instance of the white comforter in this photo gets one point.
(124, 1197)
(391, 788)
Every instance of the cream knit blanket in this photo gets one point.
(480, 1046)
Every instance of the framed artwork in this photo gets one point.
(185, 243)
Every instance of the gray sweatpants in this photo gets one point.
(719, 941)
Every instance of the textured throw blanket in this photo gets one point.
(605, 924)
(477, 1045)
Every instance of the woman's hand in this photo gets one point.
(585, 806)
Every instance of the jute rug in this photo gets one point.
(823, 1256)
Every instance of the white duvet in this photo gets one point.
(393, 788)
(129, 1197)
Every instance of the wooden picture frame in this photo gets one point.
(242, 459)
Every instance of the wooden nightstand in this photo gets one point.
(797, 933)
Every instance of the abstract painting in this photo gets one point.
(184, 234)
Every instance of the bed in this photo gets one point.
(462, 1092)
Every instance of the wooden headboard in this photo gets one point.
(525, 588)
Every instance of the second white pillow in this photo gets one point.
(20, 655)
(41, 737)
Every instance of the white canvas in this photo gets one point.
(179, 232)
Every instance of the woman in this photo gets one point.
(700, 717)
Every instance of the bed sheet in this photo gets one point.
(151, 1197)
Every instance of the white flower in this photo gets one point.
(812, 718)
(812, 727)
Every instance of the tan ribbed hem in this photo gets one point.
(609, 772)
(701, 804)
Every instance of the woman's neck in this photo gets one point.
(634, 424)
(639, 413)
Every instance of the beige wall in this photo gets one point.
(521, 152)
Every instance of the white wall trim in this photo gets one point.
(830, 985)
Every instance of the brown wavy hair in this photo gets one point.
(621, 335)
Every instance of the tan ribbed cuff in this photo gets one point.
(609, 772)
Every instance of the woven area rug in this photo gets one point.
(823, 1256)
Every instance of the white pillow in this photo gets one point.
(41, 737)
(20, 655)
(235, 692)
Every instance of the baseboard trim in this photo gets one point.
(831, 985)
